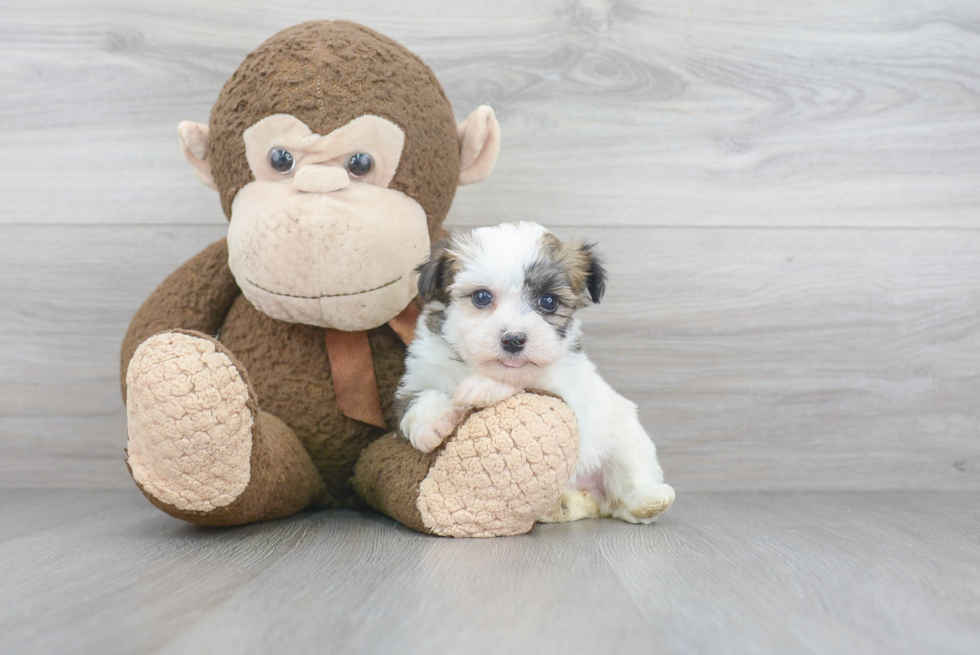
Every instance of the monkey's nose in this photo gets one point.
(513, 342)
(320, 178)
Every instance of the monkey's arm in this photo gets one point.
(197, 296)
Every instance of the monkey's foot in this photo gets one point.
(190, 416)
(505, 466)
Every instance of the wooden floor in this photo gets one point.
(103, 572)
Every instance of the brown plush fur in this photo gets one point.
(287, 364)
(388, 476)
(327, 73)
(284, 480)
(197, 296)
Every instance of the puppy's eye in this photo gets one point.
(359, 164)
(482, 298)
(281, 160)
(548, 303)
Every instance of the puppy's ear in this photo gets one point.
(434, 274)
(595, 280)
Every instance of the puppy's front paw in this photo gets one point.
(645, 504)
(479, 391)
(429, 436)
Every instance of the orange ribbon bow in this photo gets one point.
(352, 368)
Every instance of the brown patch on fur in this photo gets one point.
(581, 264)
(436, 275)
(435, 319)
(573, 259)
(563, 270)
(327, 73)
(454, 259)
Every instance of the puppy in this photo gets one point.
(499, 317)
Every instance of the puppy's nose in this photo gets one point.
(319, 178)
(513, 342)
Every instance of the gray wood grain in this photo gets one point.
(760, 359)
(721, 573)
(722, 112)
(798, 359)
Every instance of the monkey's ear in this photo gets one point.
(595, 281)
(434, 274)
(479, 145)
(195, 143)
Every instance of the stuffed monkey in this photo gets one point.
(259, 378)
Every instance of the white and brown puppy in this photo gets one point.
(499, 318)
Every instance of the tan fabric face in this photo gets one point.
(376, 136)
(320, 178)
(328, 74)
(343, 260)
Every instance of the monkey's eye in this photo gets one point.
(281, 160)
(482, 298)
(359, 164)
(548, 303)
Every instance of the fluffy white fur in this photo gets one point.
(457, 361)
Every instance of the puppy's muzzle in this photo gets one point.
(513, 342)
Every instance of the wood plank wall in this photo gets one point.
(788, 196)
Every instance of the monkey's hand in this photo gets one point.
(481, 391)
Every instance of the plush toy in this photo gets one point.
(259, 377)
